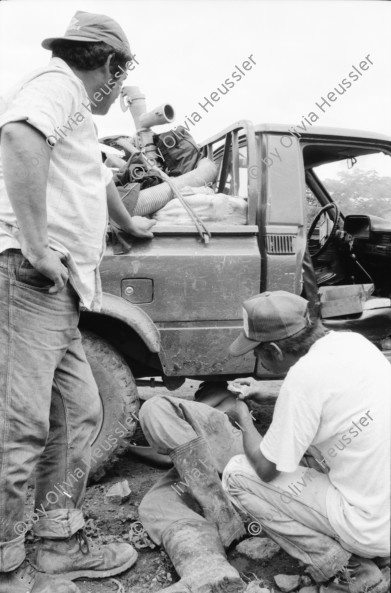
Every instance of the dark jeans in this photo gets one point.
(49, 407)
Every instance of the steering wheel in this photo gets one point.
(314, 251)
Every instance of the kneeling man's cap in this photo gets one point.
(269, 317)
(87, 26)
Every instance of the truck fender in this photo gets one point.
(132, 316)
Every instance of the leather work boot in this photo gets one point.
(361, 575)
(198, 556)
(76, 558)
(26, 579)
(198, 473)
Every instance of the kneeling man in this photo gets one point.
(318, 482)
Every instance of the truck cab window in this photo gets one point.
(359, 185)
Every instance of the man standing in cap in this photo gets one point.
(317, 482)
(54, 197)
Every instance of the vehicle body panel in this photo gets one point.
(194, 291)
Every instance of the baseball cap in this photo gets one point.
(269, 317)
(87, 26)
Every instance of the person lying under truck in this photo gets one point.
(331, 513)
(54, 197)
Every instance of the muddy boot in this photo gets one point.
(76, 558)
(195, 550)
(195, 465)
(361, 575)
(26, 579)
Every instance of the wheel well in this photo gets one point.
(128, 342)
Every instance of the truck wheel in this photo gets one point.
(119, 403)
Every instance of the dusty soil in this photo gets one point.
(108, 522)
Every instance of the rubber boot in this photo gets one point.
(76, 558)
(195, 465)
(361, 575)
(26, 579)
(195, 550)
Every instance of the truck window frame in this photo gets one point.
(219, 148)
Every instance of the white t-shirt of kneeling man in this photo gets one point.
(337, 398)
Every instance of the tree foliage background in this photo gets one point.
(361, 192)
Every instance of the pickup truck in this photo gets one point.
(172, 305)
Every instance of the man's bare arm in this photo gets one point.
(265, 469)
(20, 145)
(137, 226)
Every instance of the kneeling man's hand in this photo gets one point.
(248, 389)
(239, 415)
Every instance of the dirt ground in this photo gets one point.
(108, 522)
(153, 570)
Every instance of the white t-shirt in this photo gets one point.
(54, 101)
(337, 398)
